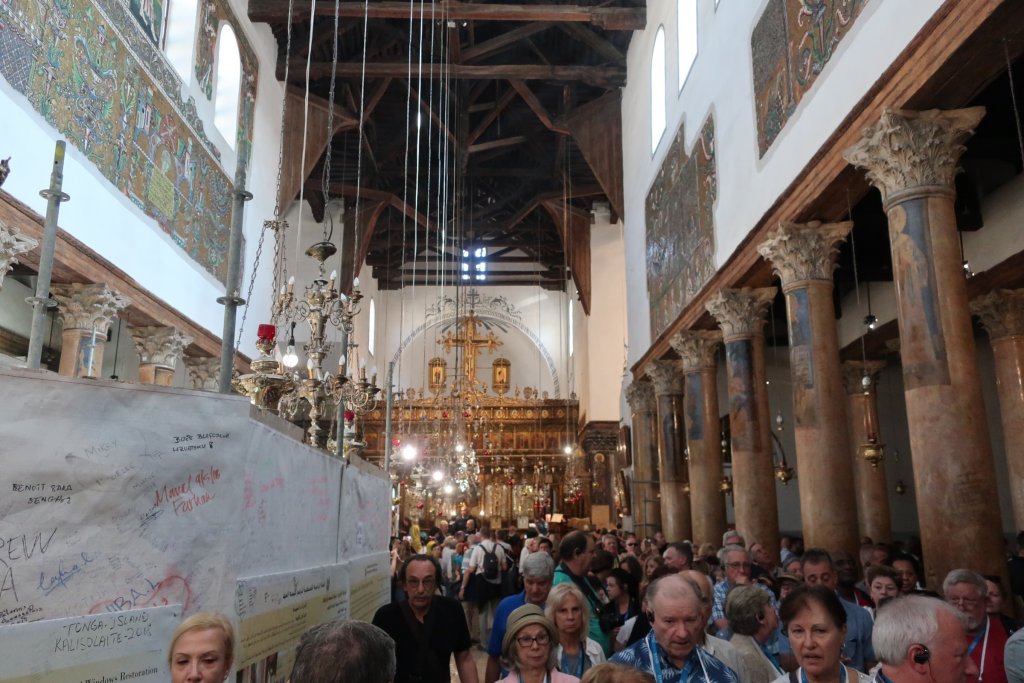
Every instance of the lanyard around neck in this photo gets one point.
(579, 667)
(982, 637)
(652, 651)
(842, 674)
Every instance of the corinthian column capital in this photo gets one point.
(87, 306)
(12, 243)
(667, 376)
(804, 251)
(914, 150)
(203, 372)
(159, 345)
(640, 397)
(696, 348)
(740, 312)
(1001, 312)
(854, 372)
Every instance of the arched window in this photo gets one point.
(180, 44)
(658, 89)
(686, 16)
(228, 85)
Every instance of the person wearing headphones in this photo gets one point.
(920, 639)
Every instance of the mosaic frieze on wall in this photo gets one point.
(78, 64)
(791, 44)
(680, 226)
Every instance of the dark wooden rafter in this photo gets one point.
(317, 140)
(573, 225)
(494, 113)
(598, 76)
(596, 43)
(597, 129)
(429, 111)
(536, 107)
(607, 18)
(502, 41)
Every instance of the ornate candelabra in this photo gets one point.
(275, 385)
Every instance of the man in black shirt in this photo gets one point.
(427, 628)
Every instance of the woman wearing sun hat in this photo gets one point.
(528, 648)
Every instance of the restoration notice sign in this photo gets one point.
(102, 648)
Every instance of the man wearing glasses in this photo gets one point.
(736, 560)
(632, 545)
(426, 627)
(986, 637)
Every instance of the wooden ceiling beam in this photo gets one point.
(430, 112)
(499, 107)
(536, 106)
(607, 18)
(502, 41)
(595, 42)
(494, 144)
(598, 76)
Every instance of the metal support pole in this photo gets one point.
(231, 300)
(387, 416)
(42, 301)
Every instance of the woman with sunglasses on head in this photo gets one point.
(528, 651)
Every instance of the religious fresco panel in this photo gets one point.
(94, 74)
(792, 42)
(680, 226)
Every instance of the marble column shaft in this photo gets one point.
(160, 349)
(85, 311)
(869, 480)
(803, 254)
(667, 377)
(911, 157)
(741, 315)
(703, 433)
(646, 507)
(1002, 313)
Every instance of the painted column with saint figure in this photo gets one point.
(912, 157)
(803, 255)
(667, 377)
(697, 349)
(741, 315)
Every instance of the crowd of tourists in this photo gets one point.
(609, 607)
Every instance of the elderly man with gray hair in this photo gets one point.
(967, 590)
(753, 622)
(919, 639)
(538, 571)
(344, 651)
(736, 561)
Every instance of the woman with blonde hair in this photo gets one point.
(610, 672)
(569, 611)
(202, 649)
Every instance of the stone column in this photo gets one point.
(667, 377)
(85, 311)
(697, 350)
(160, 349)
(741, 315)
(12, 243)
(1002, 313)
(646, 508)
(861, 380)
(203, 372)
(803, 255)
(911, 157)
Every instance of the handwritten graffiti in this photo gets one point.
(172, 590)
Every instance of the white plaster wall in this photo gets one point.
(606, 326)
(721, 82)
(105, 220)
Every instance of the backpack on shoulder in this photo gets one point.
(491, 564)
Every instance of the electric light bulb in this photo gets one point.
(567, 450)
(448, 488)
(291, 359)
(437, 475)
(459, 448)
(355, 283)
(408, 452)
